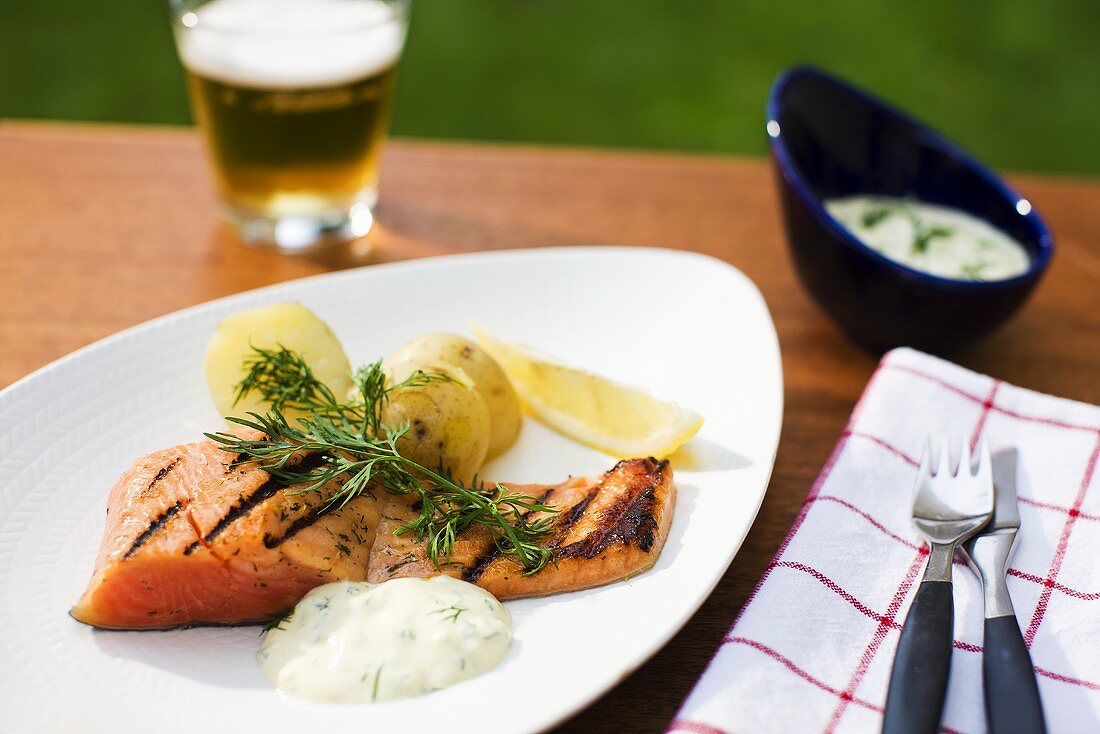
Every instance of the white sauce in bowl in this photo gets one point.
(359, 642)
(934, 239)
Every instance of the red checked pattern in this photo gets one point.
(812, 648)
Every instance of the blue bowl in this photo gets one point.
(829, 139)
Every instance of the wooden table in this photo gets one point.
(104, 227)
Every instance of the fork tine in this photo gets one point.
(924, 473)
(965, 469)
(924, 469)
(985, 462)
(943, 468)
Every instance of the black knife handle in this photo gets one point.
(918, 681)
(1012, 701)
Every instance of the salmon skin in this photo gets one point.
(194, 537)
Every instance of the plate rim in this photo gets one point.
(411, 264)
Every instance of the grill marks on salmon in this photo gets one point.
(194, 536)
(606, 529)
(215, 542)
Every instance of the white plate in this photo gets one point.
(688, 327)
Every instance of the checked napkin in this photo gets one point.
(812, 648)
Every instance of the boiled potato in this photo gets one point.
(494, 387)
(290, 324)
(448, 421)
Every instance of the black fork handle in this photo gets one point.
(918, 681)
(1012, 703)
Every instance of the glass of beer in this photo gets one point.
(293, 97)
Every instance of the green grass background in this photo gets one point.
(1016, 82)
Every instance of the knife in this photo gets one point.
(1012, 702)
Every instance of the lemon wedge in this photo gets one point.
(617, 419)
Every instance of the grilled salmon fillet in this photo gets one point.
(605, 530)
(193, 537)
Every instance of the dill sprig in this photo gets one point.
(975, 270)
(922, 236)
(871, 217)
(922, 233)
(276, 623)
(284, 379)
(452, 612)
(359, 451)
(374, 688)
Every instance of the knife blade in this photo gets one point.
(989, 551)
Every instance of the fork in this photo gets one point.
(947, 509)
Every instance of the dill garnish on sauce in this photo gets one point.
(360, 451)
(871, 217)
(451, 612)
(923, 234)
(975, 270)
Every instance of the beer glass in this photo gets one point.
(293, 98)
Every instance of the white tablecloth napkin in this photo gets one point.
(811, 650)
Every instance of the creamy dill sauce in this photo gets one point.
(935, 239)
(358, 642)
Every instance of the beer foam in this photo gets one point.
(285, 44)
